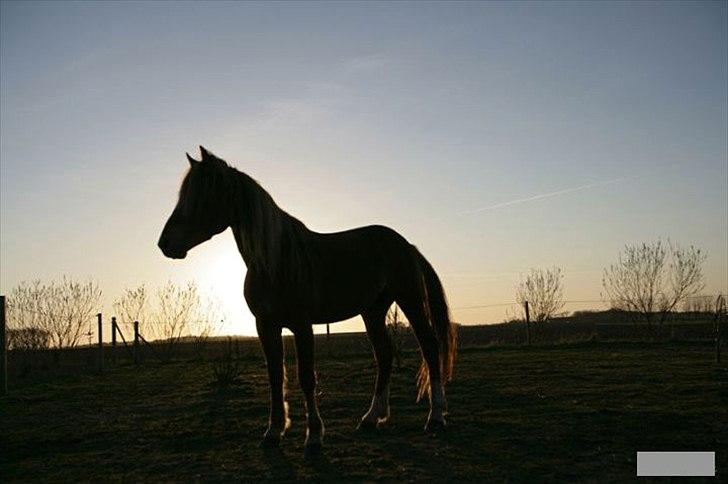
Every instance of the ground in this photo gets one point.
(568, 412)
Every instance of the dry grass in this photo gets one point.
(544, 413)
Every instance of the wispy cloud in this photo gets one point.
(542, 196)
(369, 63)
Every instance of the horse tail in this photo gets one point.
(438, 315)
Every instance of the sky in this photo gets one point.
(496, 137)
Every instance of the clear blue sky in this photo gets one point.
(495, 137)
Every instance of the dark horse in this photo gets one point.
(297, 278)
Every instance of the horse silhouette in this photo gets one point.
(297, 277)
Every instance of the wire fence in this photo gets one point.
(486, 313)
(108, 343)
(501, 312)
(600, 301)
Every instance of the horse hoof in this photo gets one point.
(270, 442)
(367, 426)
(312, 450)
(433, 426)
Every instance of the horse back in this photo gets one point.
(346, 272)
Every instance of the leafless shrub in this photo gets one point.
(28, 339)
(176, 307)
(652, 279)
(181, 312)
(59, 309)
(226, 369)
(132, 306)
(24, 312)
(543, 289)
(206, 324)
(71, 305)
(397, 329)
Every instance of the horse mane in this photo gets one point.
(268, 237)
(273, 240)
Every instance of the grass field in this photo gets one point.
(570, 412)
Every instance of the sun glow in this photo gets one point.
(220, 274)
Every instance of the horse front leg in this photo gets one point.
(378, 413)
(272, 343)
(307, 379)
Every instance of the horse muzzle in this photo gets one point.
(170, 251)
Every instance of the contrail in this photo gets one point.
(542, 196)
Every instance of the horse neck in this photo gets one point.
(258, 225)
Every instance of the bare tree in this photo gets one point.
(653, 278)
(686, 277)
(206, 323)
(177, 307)
(179, 311)
(61, 309)
(132, 306)
(26, 329)
(69, 308)
(543, 289)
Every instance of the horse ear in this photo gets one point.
(204, 153)
(192, 161)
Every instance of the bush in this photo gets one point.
(544, 291)
(28, 339)
(226, 369)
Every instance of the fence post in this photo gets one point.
(101, 342)
(113, 340)
(528, 324)
(3, 350)
(328, 339)
(136, 342)
(719, 310)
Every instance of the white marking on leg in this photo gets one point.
(314, 425)
(379, 409)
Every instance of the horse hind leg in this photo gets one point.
(307, 378)
(429, 377)
(375, 322)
